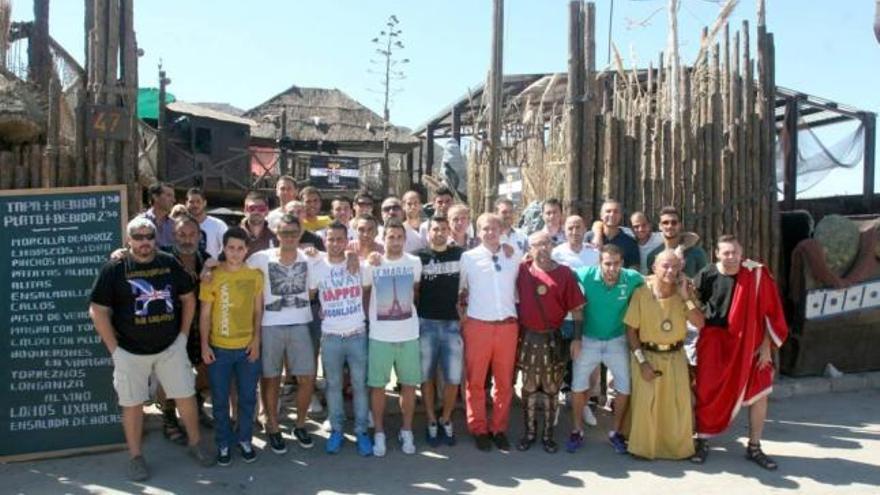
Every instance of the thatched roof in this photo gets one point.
(22, 111)
(318, 114)
(222, 107)
(208, 113)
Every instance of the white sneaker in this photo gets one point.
(379, 444)
(407, 442)
(589, 417)
(315, 406)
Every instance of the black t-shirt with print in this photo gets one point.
(438, 288)
(143, 298)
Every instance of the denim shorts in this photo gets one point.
(614, 353)
(441, 343)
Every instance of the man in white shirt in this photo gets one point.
(575, 253)
(510, 235)
(212, 229)
(343, 339)
(394, 333)
(285, 190)
(392, 208)
(285, 328)
(490, 331)
(648, 240)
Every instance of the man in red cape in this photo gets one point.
(744, 321)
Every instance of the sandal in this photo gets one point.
(755, 454)
(172, 431)
(701, 451)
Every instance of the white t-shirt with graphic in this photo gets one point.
(393, 316)
(285, 287)
(341, 296)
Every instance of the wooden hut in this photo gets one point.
(299, 123)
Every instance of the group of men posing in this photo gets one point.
(429, 298)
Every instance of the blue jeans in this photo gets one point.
(336, 351)
(441, 342)
(229, 363)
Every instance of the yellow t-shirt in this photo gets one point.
(320, 222)
(647, 314)
(232, 311)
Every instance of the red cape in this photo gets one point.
(728, 375)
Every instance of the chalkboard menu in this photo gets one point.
(56, 390)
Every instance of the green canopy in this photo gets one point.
(148, 102)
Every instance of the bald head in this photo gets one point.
(574, 231)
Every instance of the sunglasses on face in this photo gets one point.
(391, 208)
(496, 263)
(288, 233)
(143, 237)
(257, 209)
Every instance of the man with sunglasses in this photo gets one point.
(695, 258)
(285, 328)
(142, 306)
(392, 208)
(490, 330)
(256, 207)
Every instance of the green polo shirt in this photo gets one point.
(606, 306)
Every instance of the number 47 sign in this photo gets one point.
(108, 122)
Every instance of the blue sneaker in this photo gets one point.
(618, 442)
(364, 445)
(334, 443)
(575, 441)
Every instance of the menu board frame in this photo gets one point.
(5, 381)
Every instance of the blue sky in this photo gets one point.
(245, 52)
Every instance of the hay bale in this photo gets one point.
(839, 237)
(22, 112)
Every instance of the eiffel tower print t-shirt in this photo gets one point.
(144, 301)
(393, 316)
(285, 287)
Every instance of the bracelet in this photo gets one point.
(639, 355)
(690, 305)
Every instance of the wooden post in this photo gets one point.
(39, 57)
(429, 149)
(495, 87)
(161, 156)
(129, 76)
(589, 157)
(869, 120)
(50, 158)
(575, 124)
(409, 169)
(456, 124)
(790, 148)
